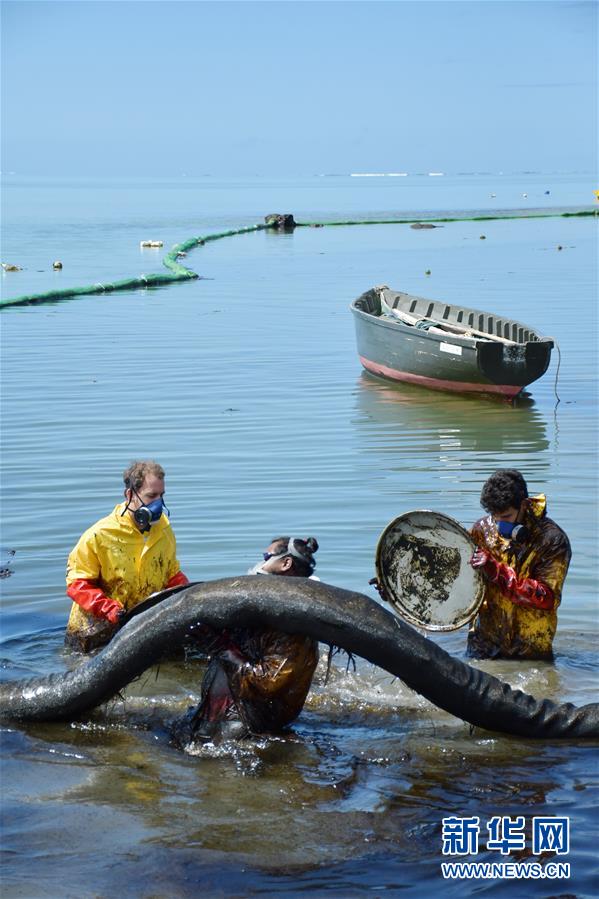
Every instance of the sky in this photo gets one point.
(298, 88)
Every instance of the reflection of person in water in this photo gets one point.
(257, 680)
(524, 556)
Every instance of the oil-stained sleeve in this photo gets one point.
(83, 562)
(550, 561)
(174, 566)
(286, 661)
(545, 560)
(283, 673)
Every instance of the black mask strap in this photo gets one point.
(133, 490)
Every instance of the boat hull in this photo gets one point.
(400, 352)
(392, 374)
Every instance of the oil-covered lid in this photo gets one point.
(423, 572)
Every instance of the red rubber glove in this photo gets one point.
(482, 559)
(177, 580)
(524, 592)
(89, 596)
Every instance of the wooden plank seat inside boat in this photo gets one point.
(459, 320)
(436, 327)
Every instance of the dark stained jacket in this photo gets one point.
(257, 683)
(504, 629)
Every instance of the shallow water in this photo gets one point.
(247, 387)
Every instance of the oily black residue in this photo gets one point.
(6, 556)
(421, 572)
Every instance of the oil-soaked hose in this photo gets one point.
(180, 273)
(297, 605)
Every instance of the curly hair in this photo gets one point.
(304, 566)
(505, 489)
(135, 474)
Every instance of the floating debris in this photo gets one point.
(284, 222)
(483, 237)
(9, 267)
(6, 556)
(151, 243)
(418, 226)
(57, 264)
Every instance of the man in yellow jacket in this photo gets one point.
(121, 560)
(524, 556)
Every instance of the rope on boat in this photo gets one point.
(559, 362)
(178, 272)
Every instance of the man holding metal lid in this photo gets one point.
(524, 556)
(121, 560)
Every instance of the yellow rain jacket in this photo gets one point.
(124, 563)
(504, 629)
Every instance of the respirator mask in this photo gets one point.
(148, 513)
(257, 569)
(510, 530)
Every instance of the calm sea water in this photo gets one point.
(247, 387)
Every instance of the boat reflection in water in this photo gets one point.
(423, 449)
(420, 425)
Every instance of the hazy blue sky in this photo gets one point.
(282, 87)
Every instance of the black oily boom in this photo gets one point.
(297, 605)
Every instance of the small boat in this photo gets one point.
(446, 347)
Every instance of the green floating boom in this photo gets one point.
(178, 272)
(477, 218)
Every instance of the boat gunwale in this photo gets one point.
(469, 340)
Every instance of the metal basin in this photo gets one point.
(423, 572)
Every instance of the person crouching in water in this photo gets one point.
(524, 556)
(257, 680)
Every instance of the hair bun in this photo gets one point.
(312, 544)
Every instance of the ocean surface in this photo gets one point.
(246, 386)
